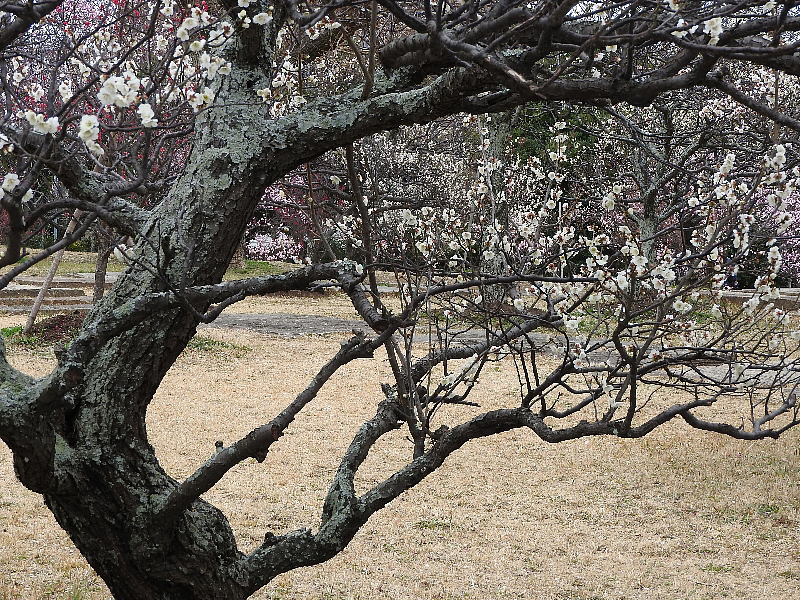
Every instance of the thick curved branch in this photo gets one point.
(341, 522)
(715, 80)
(29, 433)
(127, 218)
(256, 444)
(739, 432)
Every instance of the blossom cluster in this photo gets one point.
(104, 87)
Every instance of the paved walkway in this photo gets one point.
(286, 324)
(292, 325)
(77, 280)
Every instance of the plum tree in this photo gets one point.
(195, 111)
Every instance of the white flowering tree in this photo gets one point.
(196, 112)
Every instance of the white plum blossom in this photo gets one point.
(680, 33)
(727, 165)
(714, 28)
(783, 220)
(408, 218)
(41, 124)
(89, 128)
(681, 306)
(10, 181)
(779, 159)
(262, 18)
(739, 369)
(88, 131)
(147, 115)
(639, 263)
(622, 281)
(775, 258)
(37, 92)
(119, 91)
(65, 91)
(199, 99)
(190, 23)
(448, 380)
(95, 148)
(470, 368)
(751, 305)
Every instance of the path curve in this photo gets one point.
(286, 324)
(292, 325)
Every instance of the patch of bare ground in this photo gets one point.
(678, 515)
(331, 303)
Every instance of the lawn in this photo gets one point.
(677, 515)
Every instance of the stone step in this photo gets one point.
(81, 280)
(52, 308)
(65, 293)
(32, 291)
(16, 298)
(46, 301)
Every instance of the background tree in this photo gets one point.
(118, 98)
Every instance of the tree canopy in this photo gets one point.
(572, 177)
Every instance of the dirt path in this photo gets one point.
(286, 324)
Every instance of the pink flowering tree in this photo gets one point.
(292, 221)
(196, 112)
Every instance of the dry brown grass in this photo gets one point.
(678, 515)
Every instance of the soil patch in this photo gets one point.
(58, 328)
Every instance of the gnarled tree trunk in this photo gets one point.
(84, 446)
